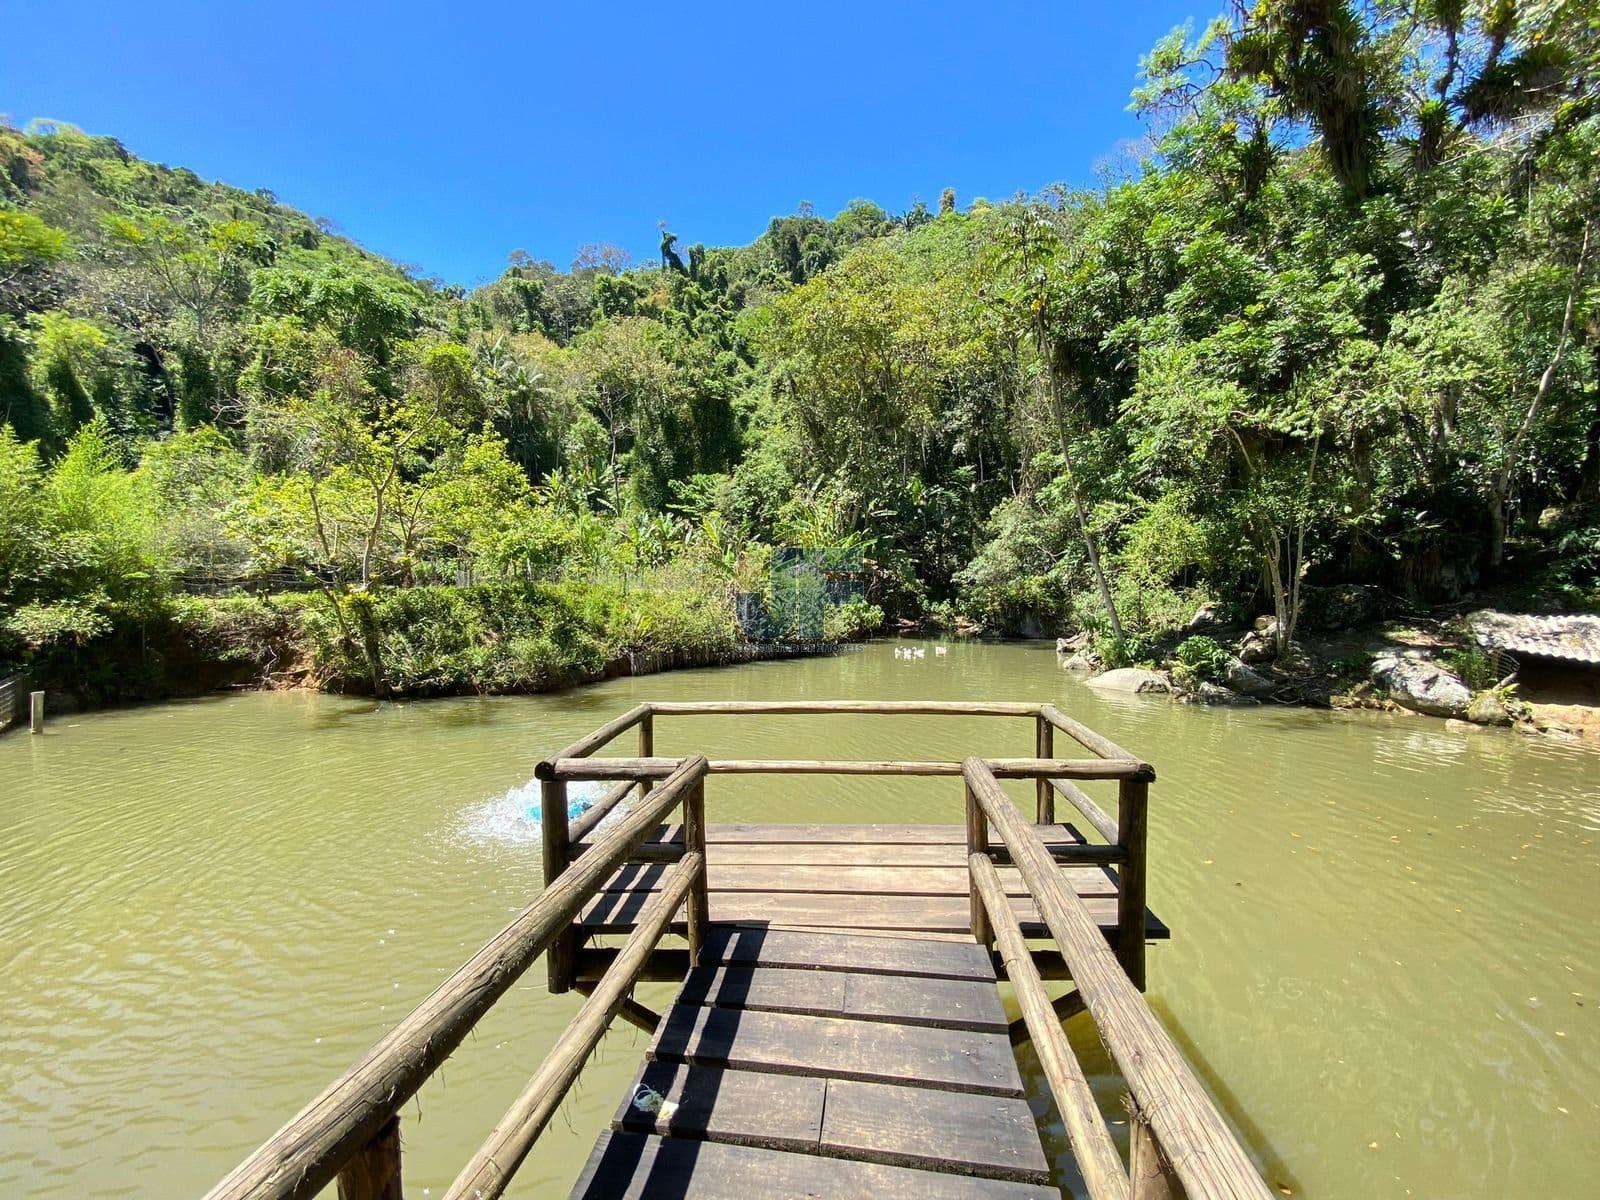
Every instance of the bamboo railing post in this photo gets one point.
(557, 854)
(490, 1170)
(977, 843)
(374, 1172)
(1086, 1129)
(1133, 797)
(647, 744)
(1044, 747)
(694, 842)
(1150, 1173)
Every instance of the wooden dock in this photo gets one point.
(839, 1026)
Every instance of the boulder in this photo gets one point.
(1258, 646)
(1489, 708)
(1069, 645)
(1251, 682)
(1077, 662)
(1215, 693)
(1266, 625)
(1421, 686)
(1131, 679)
(1207, 616)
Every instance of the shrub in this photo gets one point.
(1130, 651)
(1203, 658)
(1474, 666)
(851, 621)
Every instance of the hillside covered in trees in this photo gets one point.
(1338, 321)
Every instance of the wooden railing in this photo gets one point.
(1181, 1145)
(1125, 836)
(351, 1131)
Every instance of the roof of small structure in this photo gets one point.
(1572, 638)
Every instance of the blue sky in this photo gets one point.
(448, 135)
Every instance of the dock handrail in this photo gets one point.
(1176, 1124)
(1125, 835)
(351, 1129)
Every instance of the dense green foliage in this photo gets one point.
(1339, 323)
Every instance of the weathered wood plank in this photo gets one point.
(983, 1136)
(899, 999)
(631, 1166)
(956, 1060)
(770, 989)
(805, 835)
(854, 880)
(754, 946)
(911, 1000)
(616, 912)
(775, 1112)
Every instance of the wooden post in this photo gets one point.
(1044, 747)
(1133, 796)
(694, 842)
(374, 1172)
(1150, 1174)
(977, 843)
(557, 854)
(35, 712)
(647, 745)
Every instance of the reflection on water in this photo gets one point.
(1385, 956)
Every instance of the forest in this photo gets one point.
(1335, 321)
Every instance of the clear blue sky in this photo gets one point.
(447, 135)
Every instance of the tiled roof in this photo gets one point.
(1573, 638)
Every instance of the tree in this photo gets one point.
(1033, 250)
(202, 271)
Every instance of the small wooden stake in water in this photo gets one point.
(36, 712)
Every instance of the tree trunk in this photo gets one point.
(1503, 485)
(1090, 548)
(371, 644)
(1589, 474)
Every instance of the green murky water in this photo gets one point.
(1386, 955)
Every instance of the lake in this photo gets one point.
(1385, 955)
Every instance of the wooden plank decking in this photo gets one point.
(806, 1064)
(908, 880)
(837, 1029)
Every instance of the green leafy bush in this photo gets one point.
(1473, 665)
(1131, 651)
(1203, 658)
(851, 621)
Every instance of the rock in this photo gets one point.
(1077, 662)
(1242, 678)
(1489, 708)
(1258, 647)
(1215, 693)
(1266, 625)
(1421, 686)
(1069, 645)
(1207, 616)
(1130, 679)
